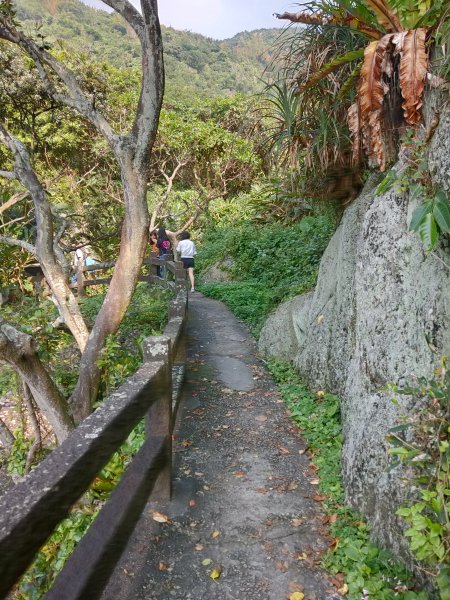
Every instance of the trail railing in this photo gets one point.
(31, 510)
(173, 273)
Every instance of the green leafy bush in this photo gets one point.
(269, 264)
(431, 218)
(421, 442)
(370, 572)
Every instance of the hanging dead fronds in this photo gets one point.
(353, 120)
(371, 92)
(377, 74)
(413, 71)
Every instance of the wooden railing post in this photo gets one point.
(80, 281)
(159, 417)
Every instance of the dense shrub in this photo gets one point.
(270, 264)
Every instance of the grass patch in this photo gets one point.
(370, 572)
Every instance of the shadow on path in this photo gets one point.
(243, 502)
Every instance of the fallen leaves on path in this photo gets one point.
(329, 519)
(160, 517)
(283, 450)
(216, 572)
(199, 547)
(282, 566)
(343, 590)
(261, 418)
(300, 556)
(206, 562)
(215, 534)
(297, 522)
(163, 566)
(239, 474)
(297, 596)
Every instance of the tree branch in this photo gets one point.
(5, 34)
(21, 243)
(169, 179)
(13, 200)
(8, 174)
(152, 90)
(37, 443)
(50, 256)
(75, 97)
(18, 349)
(129, 13)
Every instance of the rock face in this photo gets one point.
(218, 272)
(380, 307)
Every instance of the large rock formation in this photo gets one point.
(380, 308)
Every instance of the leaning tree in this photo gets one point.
(131, 151)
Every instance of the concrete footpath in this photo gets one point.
(243, 523)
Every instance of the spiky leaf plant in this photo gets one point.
(386, 45)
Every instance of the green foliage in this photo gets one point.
(370, 572)
(146, 315)
(270, 264)
(209, 139)
(431, 218)
(7, 380)
(195, 65)
(17, 456)
(53, 555)
(422, 443)
(122, 354)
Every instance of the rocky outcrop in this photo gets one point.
(380, 314)
(290, 321)
(218, 272)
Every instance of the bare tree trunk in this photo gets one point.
(6, 437)
(123, 283)
(37, 443)
(19, 351)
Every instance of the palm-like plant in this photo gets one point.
(373, 49)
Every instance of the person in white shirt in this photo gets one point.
(186, 249)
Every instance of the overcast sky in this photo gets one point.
(218, 19)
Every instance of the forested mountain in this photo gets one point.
(194, 63)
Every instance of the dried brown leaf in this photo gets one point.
(413, 72)
(160, 517)
(371, 92)
(385, 15)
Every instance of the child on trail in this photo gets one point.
(164, 247)
(154, 242)
(187, 251)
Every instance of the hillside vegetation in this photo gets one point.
(194, 64)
